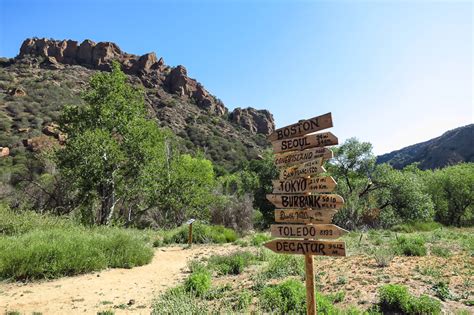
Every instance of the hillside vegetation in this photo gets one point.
(452, 147)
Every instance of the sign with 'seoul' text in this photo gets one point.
(305, 142)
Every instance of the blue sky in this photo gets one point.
(393, 73)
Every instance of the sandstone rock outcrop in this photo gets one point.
(256, 121)
(88, 53)
(179, 83)
(152, 71)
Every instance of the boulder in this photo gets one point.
(256, 121)
(103, 54)
(17, 92)
(4, 151)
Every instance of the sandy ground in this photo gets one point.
(125, 291)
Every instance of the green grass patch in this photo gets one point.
(198, 283)
(178, 301)
(202, 234)
(417, 227)
(395, 298)
(259, 238)
(410, 246)
(281, 266)
(61, 252)
(232, 264)
(15, 223)
(440, 251)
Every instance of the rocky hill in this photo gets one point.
(48, 74)
(454, 146)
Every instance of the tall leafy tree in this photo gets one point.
(112, 150)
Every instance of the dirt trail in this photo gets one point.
(111, 289)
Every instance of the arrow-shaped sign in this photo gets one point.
(303, 170)
(302, 127)
(304, 216)
(311, 231)
(323, 184)
(306, 142)
(326, 201)
(303, 247)
(292, 158)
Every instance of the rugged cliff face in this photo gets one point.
(47, 74)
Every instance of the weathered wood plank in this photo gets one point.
(304, 216)
(303, 170)
(309, 231)
(302, 127)
(306, 142)
(292, 158)
(322, 184)
(303, 247)
(302, 201)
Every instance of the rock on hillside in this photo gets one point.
(51, 73)
(454, 146)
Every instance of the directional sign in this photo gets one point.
(306, 142)
(292, 158)
(327, 201)
(310, 231)
(323, 184)
(304, 216)
(304, 247)
(302, 127)
(303, 170)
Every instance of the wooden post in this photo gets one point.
(310, 298)
(190, 235)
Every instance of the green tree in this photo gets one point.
(112, 150)
(265, 171)
(452, 191)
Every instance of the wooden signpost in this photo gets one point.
(304, 216)
(300, 196)
(298, 157)
(303, 170)
(305, 142)
(304, 201)
(311, 231)
(323, 184)
(302, 127)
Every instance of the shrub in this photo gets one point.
(15, 223)
(417, 227)
(69, 251)
(198, 282)
(383, 257)
(410, 246)
(286, 297)
(440, 251)
(178, 301)
(202, 234)
(395, 298)
(259, 238)
(243, 300)
(232, 264)
(441, 290)
(281, 266)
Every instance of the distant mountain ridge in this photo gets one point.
(48, 74)
(452, 147)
